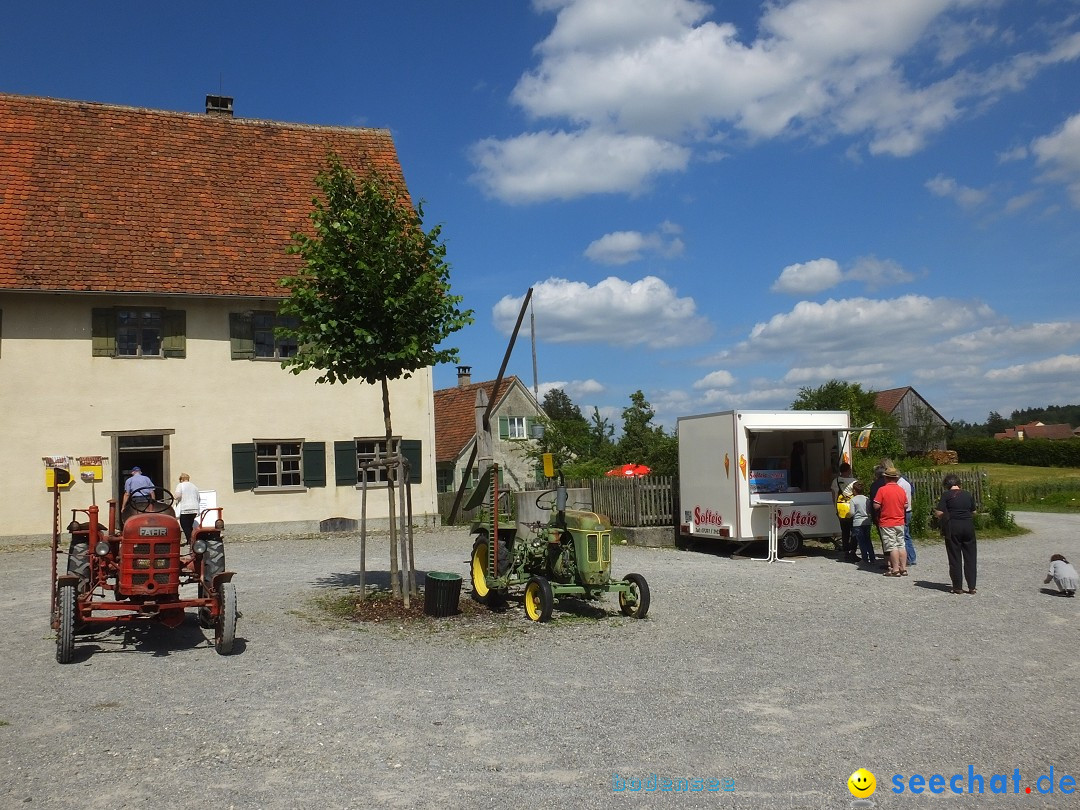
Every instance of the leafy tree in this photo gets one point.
(601, 431)
(560, 408)
(566, 431)
(839, 395)
(642, 442)
(995, 423)
(372, 299)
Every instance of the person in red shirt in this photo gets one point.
(890, 506)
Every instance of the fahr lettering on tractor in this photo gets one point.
(569, 555)
(119, 575)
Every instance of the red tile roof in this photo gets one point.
(1037, 430)
(101, 197)
(455, 415)
(888, 400)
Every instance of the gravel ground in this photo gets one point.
(784, 678)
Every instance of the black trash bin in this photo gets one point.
(441, 593)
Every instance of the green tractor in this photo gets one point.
(570, 555)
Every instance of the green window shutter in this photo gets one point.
(529, 422)
(174, 341)
(504, 427)
(103, 332)
(345, 463)
(412, 449)
(314, 464)
(243, 466)
(241, 336)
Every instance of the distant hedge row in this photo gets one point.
(1031, 452)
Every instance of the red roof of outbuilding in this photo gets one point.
(97, 197)
(455, 415)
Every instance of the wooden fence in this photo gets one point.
(642, 501)
(928, 484)
(646, 501)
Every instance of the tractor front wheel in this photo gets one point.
(213, 559)
(225, 629)
(539, 599)
(65, 634)
(478, 568)
(205, 620)
(635, 603)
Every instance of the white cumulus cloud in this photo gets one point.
(623, 247)
(715, 379)
(564, 165)
(613, 311)
(1059, 155)
(645, 81)
(807, 278)
(964, 196)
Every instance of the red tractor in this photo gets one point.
(116, 576)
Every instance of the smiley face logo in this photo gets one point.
(862, 784)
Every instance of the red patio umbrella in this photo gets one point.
(628, 471)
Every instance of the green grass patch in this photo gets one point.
(1034, 489)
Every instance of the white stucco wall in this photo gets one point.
(56, 399)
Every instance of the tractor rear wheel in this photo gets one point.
(539, 599)
(478, 568)
(635, 603)
(225, 629)
(65, 634)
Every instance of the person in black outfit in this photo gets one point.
(957, 507)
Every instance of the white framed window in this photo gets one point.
(267, 343)
(279, 464)
(515, 428)
(138, 332)
(366, 451)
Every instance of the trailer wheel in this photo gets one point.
(539, 599)
(65, 634)
(225, 629)
(478, 567)
(790, 543)
(636, 603)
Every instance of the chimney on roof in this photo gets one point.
(219, 105)
(464, 376)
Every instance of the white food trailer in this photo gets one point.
(746, 474)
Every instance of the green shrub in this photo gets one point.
(1030, 452)
(997, 508)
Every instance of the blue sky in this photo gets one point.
(716, 203)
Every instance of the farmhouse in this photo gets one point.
(512, 419)
(142, 251)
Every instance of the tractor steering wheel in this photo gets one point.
(140, 504)
(543, 494)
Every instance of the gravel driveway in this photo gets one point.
(774, 680)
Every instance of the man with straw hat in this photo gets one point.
(890, 504)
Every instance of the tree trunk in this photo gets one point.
(395, 584)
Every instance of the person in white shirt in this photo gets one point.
(187, 504)
(1063, 574)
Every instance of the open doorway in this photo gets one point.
(145, 450)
